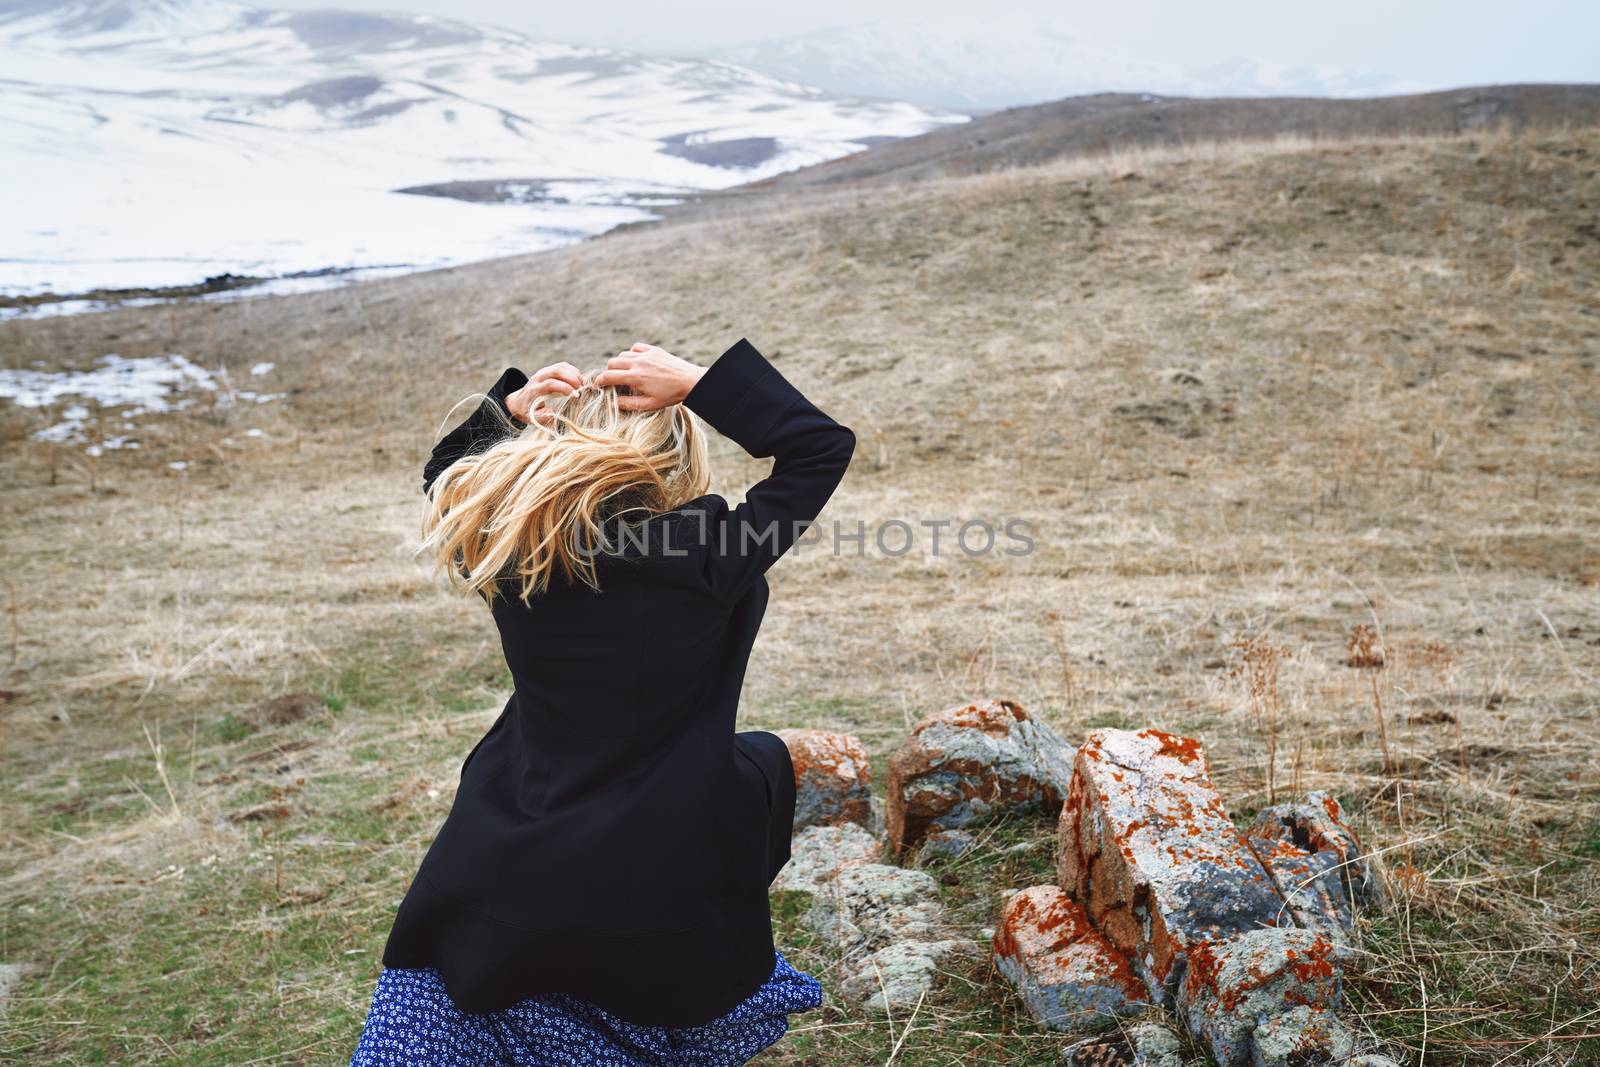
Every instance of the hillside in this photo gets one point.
(1250, 401)
(1119, 122)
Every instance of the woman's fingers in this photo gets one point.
(559, 379)
(614, 376)
(654, 377)
(564, 372)
(554, 387)
(525, 402)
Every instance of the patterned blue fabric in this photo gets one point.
(413, 1022)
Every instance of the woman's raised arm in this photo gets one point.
(745, 398)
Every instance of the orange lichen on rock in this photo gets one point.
(1186, 749)
(1316, 859)
(1232, 985)
(990, 716)
(1067, 973)
(963, 763)
(1147, 848)
(832, 778)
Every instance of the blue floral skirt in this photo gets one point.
(413, 1021)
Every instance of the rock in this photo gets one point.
(1067, 974)
(898, 975)
(887, 921)
(963, 763)
(832, 778)
(818, 853)
(1155, 1045)
(1316, 861)
(1146, 1044)
(1309, 883)
(871, 904)
(1232, 988)
(1146, 846)
(945, 844)
(1301, 1036)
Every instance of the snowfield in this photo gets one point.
(133, 386)
(154, 143)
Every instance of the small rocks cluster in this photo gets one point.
(886, 920)
(1160, 904)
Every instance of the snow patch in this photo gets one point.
(133, 386)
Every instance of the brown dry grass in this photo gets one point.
(1251, 395)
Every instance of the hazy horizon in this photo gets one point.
(1426, 45)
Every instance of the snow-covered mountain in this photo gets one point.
(998, 61)
(157, 142)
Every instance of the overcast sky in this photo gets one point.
(1439, 43)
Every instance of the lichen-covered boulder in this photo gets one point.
(832, 778)
(1067, 974)
(872, 904)
(1316, 860)
(898, 975)
(1146, 846)
(889, 927)
(818, 853)
(963, 763)
(1233, 987)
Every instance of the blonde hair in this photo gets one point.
(539, 500)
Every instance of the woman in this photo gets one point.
(598, 892)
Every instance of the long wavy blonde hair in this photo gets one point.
(541, 499)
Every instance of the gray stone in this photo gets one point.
(818, 853)
(898, 975)
(869, 905)
(1154, 1045)
(1146, 845)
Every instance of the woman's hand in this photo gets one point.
(558, 379)
(655, 378)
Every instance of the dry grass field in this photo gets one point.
(1258, 405)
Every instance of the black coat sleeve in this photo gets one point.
(480, 430)
(743, 397)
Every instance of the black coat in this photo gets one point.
(612, 836)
